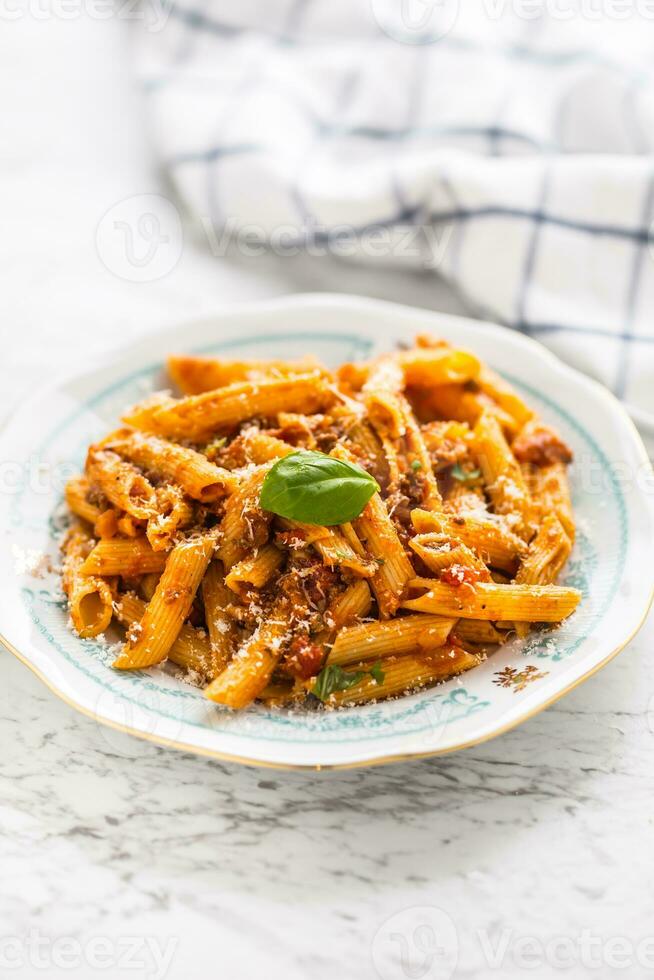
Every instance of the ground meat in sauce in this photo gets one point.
(413, 488)
(233, 455)
(318, 584)
(540, 445)
(448, 453)
(329, 436)
(307, 586)
(293, 538)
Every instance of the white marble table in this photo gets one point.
(525, 856)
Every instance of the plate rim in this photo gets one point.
(115, 358)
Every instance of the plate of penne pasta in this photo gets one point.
(323, 532)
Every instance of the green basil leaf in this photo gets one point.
(316, 489)
(334, 678)
(464, 476)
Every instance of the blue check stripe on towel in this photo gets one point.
(518, 152)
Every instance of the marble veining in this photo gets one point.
(296, 873)
(160, 864)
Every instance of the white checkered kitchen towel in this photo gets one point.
(504, 144)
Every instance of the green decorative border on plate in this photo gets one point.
(461, 702)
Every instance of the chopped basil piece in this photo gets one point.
(333, 678)
(464, 476)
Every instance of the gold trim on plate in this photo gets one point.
(382, 760)
(616, 405)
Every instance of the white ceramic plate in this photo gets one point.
(46, 440)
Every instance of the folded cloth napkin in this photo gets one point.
(502, 144)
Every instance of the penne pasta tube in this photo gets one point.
(121, 556)
(255, 570)
(174, 513)
(369, 641)
(106, 525)
(263, 448)
(350, 535)
(548, 552)
(462, 498)
(394, 570)
(89, 596)
(487, 600)
(503, 395)
(250, 670)
(478, 632)
(244, 525)
(392, 458)
(550, 489)
(170, 604)
(502, 475)
(334, 546)
(402, 675)
(486, 535)
(440, 553)
(459, 403)
(223, 632)
(194, 375)
(195, 474)
(420, 461)
(190, 650)
(352, 376)
(147, 584)
(349, 607)
(429, 367)
(130, 526)
(76, 494)
(121, 483)
(353, 604)
(197, 417)
(370, 449)
(382, 397)
(336, 551)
